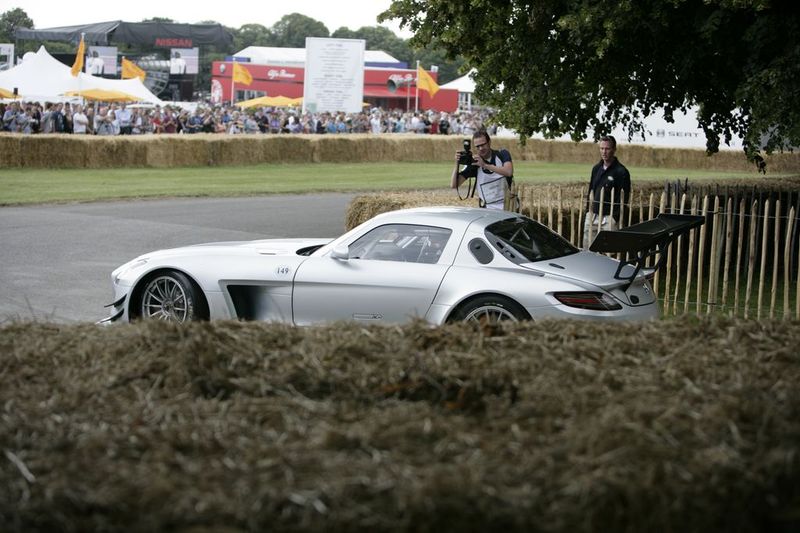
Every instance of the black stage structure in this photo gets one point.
(154, 35)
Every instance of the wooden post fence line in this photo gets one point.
(748, 245)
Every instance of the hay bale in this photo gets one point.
(366, 206)
(168, 151)
(54, 151)
(10, 150)
(226, 150)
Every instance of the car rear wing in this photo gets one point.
(644, 240)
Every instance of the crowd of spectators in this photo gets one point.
(122, 119)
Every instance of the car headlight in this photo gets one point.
(128, 267)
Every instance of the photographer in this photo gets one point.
(493, 171)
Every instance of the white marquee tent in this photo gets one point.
(465, 87)
(42, 78)
(464, 84)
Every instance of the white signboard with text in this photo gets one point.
(334, 77)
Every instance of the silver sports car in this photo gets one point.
(442, 264)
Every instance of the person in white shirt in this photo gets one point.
(96, 65)
(124, 117)
(375, 123)
(79, 120)
(177, 65)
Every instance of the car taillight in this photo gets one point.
(595, 301)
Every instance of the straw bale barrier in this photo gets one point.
(365, 206)
(675, 425)
(166, 151)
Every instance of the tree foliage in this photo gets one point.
(378, 38)
(291, 30)
(582, 68)
(252, 35)
(10, 21)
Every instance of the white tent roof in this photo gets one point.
(296, 57)
(40, 77)
(464, 84)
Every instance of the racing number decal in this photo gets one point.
(283, 270)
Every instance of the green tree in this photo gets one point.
(165, 20)
(252, 35)
(10, 21)
(291, 30)
(449, 68)
(580, 67)
(378, 38)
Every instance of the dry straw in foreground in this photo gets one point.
(679, 425)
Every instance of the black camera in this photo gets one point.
(465, 156)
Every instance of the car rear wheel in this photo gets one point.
(171, 297)
(490, 309)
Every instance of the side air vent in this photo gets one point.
(481, 251)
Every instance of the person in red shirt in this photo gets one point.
(168, 121)
(156, 121)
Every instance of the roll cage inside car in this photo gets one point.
(522, 240)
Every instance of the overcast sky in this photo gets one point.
(333, 13)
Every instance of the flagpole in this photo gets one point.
(416, 96)
(233, 77)
(83, 100)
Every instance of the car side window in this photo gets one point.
(401, 242)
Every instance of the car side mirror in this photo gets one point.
(341, 252)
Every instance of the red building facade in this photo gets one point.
(275, 80)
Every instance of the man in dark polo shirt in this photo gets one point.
(608, 176)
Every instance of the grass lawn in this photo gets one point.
(27, 186)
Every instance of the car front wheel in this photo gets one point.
(489, 310)
(171, 297)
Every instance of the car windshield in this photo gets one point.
(531, 240)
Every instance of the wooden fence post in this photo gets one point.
(751, 263)
(787, 266)
(690, 260)
(775, 246)
(560, 218)
(763, 266)
(739, 252)
(701, 259)
(668, 275)
(678, 263)
(538, 207)
(713, 271)
(728, 247)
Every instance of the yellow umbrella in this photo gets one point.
(271, 101)
(4, 93)
(104, 95)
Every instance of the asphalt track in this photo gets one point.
(57, 259)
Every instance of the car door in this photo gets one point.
(389, 275)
